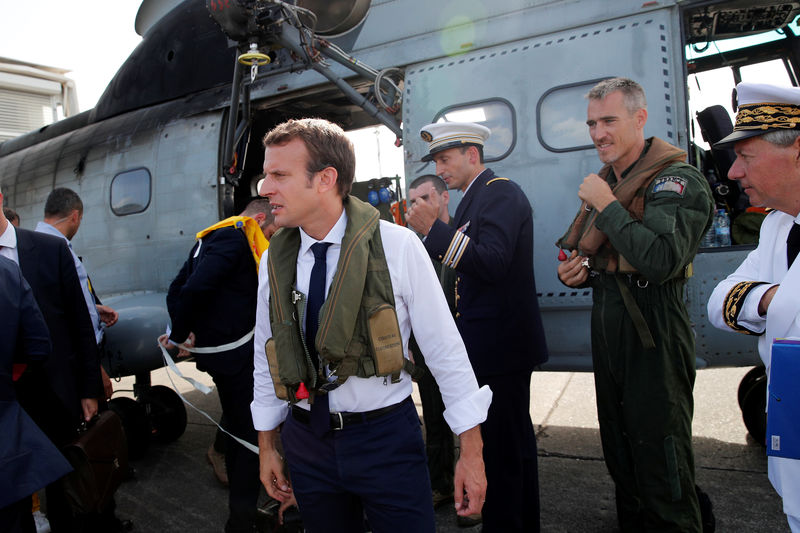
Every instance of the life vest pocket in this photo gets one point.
(385, 340)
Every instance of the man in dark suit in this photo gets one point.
(28, 460)
(212, 302)
(490, 246)
(66, 391)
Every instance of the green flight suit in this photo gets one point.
(644, 396)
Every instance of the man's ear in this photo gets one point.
(796, 146)
(328, 178)
(259, 217)
(641, 117)
(474, 155)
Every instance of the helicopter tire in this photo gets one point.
(753, 406)
(166, 412)
(747, 381)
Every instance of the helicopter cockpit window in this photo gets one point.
(130, 192)
(560, 123)
(496, 114)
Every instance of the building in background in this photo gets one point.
(32, 96)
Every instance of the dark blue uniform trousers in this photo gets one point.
(377, 467)
(235, 395)
(509, 454)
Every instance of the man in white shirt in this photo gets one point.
(364, 453)
(760, 297)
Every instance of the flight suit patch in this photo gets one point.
(670, 184)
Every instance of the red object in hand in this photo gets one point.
(562, 256)
(16, 370)
(302, 392)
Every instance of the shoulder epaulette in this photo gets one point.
(732, 305)
(496, 179)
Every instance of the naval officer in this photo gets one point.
(760, 297)
(490, 246)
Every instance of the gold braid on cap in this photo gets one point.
(766, 116)
(733, 305)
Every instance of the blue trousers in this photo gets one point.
(235, 394)
(510, 457)
(377, 467)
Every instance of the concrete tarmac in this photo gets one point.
(175, 489)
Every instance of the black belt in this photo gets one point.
(341, 420)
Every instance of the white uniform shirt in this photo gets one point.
(767, 263)
(83, 277)
(420, 305)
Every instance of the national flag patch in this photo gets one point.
(670, 184)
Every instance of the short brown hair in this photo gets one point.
(256, 206)
(61, 202)
(437, 182)
(327, 146)
(632, 92)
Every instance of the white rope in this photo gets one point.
(205, 389)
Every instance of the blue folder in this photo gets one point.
(783, 401)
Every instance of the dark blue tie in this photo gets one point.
(320, 418)
(792, 244)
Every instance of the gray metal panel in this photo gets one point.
(399, 33)
(637, 46)
(141, 251)
(717, 347)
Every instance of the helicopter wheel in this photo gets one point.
(753, 404)
(135, 424)
(166, 412)
(747, 381)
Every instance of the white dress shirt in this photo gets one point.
(8, 243)
(83, 277)
(420, 305)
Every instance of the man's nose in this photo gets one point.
(736, 171)
(265, 187)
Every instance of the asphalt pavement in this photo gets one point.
(174, 489)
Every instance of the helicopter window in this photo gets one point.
(560, 124)
(496, 114)
(130, 192)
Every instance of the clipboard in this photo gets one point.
(783, 400)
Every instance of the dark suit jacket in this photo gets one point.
(214, 296)
(497, 311)
(28, 460)
(73, 370)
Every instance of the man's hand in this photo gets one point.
(572, 272)
(470, 476)
(165, 341)
(108, 388)
(763, 305)
(289, 502)
(271, 470)
(107, 315)
(89, 408)
(189, 343)
(595, 191)
(422, 213)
